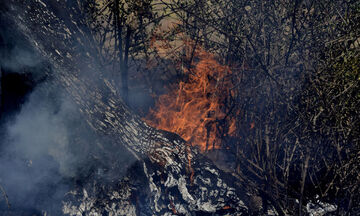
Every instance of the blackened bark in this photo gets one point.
(169, 176)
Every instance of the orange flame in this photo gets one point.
(252, 125)
(194, 108)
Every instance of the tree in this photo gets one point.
(122, 29)
(169, 175)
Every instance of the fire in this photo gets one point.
(252, 125)
(226, 207)
(194, 108)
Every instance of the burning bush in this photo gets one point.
(195, 107)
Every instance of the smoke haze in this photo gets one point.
(39, 150)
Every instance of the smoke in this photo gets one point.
(16, 54)
(36, 153)
(18, 58)
(47, 146)
(40, 128)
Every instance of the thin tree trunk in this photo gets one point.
(125, 69)
(122, 51)
(303, 179)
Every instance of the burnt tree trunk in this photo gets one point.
(123, 46)
(169, 176)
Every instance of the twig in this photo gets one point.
(5, 196)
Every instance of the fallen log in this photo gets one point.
(169, 176)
